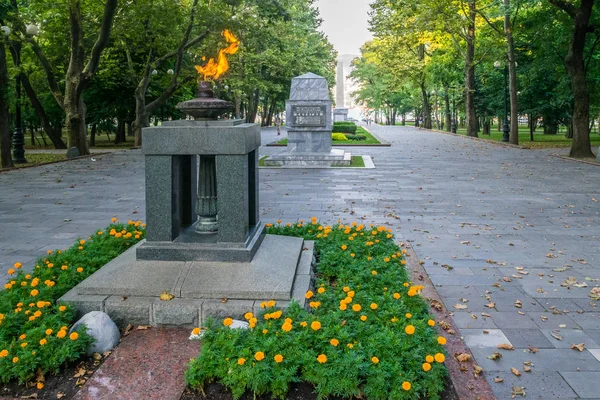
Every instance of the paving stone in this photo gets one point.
(524, 338)
(512, 319)
(489, 338)
(595, 353)
(539, 385)
(544, 360)
(582, 383)
(553, 321)
(465, 320)
(570, 337)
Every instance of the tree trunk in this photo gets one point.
(470, 72)
(120, 134)
(93, 135)
(447, 112)
(403, 119)
(550, 126)
(5, 156)
(53, 133)
(570, 130)
(512, 74)
(238, 106)
(487, 126)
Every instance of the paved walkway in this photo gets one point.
(496, 228)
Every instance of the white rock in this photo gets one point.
(101, 328)
(237, 324)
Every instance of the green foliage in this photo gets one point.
(338, 137)
(33, 325)
(356, 137)
(357, 340)
(344, 127)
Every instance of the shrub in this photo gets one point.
(33, 325)
(356, 137)
(344, 127)
(368, 333)
(338, 137)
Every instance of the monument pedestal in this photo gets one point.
(309, 121)
(205, 244)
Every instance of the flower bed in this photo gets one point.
(368, 333)
(34, 337)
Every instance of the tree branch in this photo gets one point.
(189, 44)
(102, 41)
(567, 7)
(489, 23)
(50, 77)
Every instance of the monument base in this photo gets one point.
(309, 160)
(129, 290)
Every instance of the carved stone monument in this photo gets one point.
(309, 122)
(340, 114)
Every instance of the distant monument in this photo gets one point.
(340, 113)
(309, 121)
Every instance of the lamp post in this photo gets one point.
(498, 64)
(453, 128)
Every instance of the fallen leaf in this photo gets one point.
(506, 346)
(495, 356)
(97, 356)
(580, 346)
(460, 306)
(507, 279)
(595, 293)
(81, 381)
(164, 296)
(484, 314)
(60, 395)
(80, 372)
(560, 269)
(462, 357)
(518, 304)
(437, 305)
(518, 391)
(498, 379)
(562, 326)
(128, 330)
(543, 318)
(477, 370)
(31, 396)
(533, 350)
(490, 305)
(473, 316)
(556, 336)
(526, 368)
(580, 285)
(515, 371)
(39, 375)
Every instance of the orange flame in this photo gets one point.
(214, 69)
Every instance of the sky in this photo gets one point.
(345, 22)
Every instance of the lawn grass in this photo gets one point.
(102, 141)
(36, 159)
(356, 162)
(540, 141)
(371, 140)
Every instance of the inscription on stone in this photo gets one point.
(309, 115)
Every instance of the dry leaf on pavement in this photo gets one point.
(518, 391)
(580, 346)
(506, 346)
(462, 357)
(164, 296)
(515, 371)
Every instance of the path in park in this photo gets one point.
(474, 212)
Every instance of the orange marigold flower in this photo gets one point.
(259, 356)
(24, 344)
(439, 357)
(248, 315)
(322, 358)
(39, 385)
(396, 295)
(64, 267)
(62, 308)
(314, 304)
(11, 271)
(18, 265)
(344, 247)
(426, 366)
(431, 322)
(343, 307)
(23, 336)
(321, 290)
(74, 336)
(3, 353)
(334, 342)
(373, 306)
(429, 359)
(196, 331)
(441, 340)
(278, 358)
(241, 361)
(375, 360)
(80, 270)
(303, 324)
(408, 315)
(34, 292)
(227, 321)
(15, 360)
(61, 334)
(315, 325)
(363, 318)
(43, 342)
(412, 292)
(409, 330)
(286, 327)
(271, 303)
(406, 386)
(373, 272)
(356, 307)
(346, 289)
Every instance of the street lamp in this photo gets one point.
(498, 65)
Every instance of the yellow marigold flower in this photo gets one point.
(439, 357)
(309, 294)
(80, 270)
(389, 236)
(441, 340)
(373, 272)
(118, 235)
(403, 262)
(11, 271)
(23, 336)
(352, 255)
(350, 345)
(369, 258)
(259, 356)
(431, 322)
(321, 290)
(394, 319)
(43, 342)
(387, 259)
(286, 327)
(356, 307)
(114, 219)
(61, 334)
(429, 359)
(344, 247)
(408, 315)
(375, 360)
(271, 303)
(278, 358)
(18, 265)
(346, 289)
(409, 330)
(406, 386)
(315, 325)
(303, 324)
(334, 342)
(15, 360)
(322, 358)
(248, 315)
(227, 321)
(374, 306)
(24, 344)
(99, 232)
(426, 367)
(64, 267)
(32, 318)
(39, 385)
(196, 331)
(265, 331)
(82, 242)
(396, 295)
(363, 318)
(347, 300)
(37, 313)
(314, 304)
(34, 292)
(3, 353)
(40, 304)
(350, 293)
(62, 308)
(343, 307)
(263, 304)
(412, 292)
(73, 336)
(252, 322)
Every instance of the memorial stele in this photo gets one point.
(309, 120)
